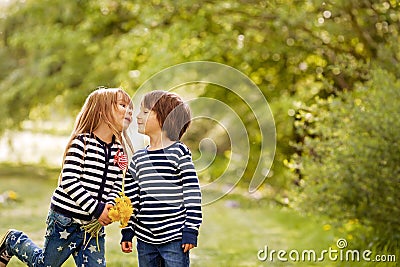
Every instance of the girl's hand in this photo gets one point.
(187, 247)
(104, 219)
(126, 247)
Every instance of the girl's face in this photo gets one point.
(123, 114)
(147, 121)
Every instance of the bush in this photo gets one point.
(350, 164)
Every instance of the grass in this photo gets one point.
(234, 230)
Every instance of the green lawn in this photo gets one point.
(231, 235)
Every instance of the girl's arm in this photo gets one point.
(70, 180)
(117, 188)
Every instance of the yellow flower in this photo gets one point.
(327, 227)
(122, 211)
(114, 215)
(12, 195)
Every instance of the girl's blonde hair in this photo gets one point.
(99, 107)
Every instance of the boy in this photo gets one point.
(165, 190)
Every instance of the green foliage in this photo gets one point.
(350, 164)
(54, 46)
(55, 52)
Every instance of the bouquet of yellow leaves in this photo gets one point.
(122, 209)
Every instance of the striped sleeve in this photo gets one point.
(70, 182)
(131, 191)
(191, 198)
(117, 188)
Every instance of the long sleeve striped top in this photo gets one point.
(90, 179)
(165, 192)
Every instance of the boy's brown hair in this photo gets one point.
(173, 114)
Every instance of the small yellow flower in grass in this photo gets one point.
(327, 227)
(122, 211)
(12, 195)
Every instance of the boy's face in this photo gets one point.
(147, 121)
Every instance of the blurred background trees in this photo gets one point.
(329, 70)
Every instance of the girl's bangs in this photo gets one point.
(125, 97)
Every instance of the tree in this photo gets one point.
(351, 169)
(56, 52)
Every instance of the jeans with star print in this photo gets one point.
(63, 238)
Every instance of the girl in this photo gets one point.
(89, 182)
(164, 187)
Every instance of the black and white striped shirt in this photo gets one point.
(90, 179)
(165, 192)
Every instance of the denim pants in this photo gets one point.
(168, 255)
(63, 238)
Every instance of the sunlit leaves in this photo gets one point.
(350, 156)
(295, 51)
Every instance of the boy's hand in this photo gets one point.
(104, 219)
(126, 247)
(187, 247)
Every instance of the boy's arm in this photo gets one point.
(191, 198)
(126, 247)
(132, 192)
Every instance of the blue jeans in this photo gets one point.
(63, 238)
(168, 255)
